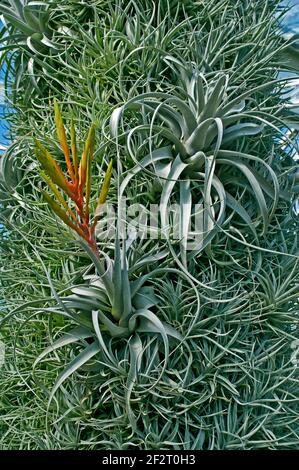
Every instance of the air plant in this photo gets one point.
(77, 185)
(29, 44)
(205, 131)
(25, 37)
(118, 305)
(30, 21)
(115, 304)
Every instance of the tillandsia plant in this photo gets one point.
(29, 43)
(208, 128)
(117, 303)
(29, 18)
(25, 36)
(113, 310)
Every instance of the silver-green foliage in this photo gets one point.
(205, 131)
(202, 356)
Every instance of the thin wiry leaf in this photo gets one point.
(185, 215)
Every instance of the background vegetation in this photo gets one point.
(231, 383)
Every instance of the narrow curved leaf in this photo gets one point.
(71, 337)
(88, 353)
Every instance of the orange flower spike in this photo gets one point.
(88, 177)
(59, 196)
(103, 194)
(62, 215)
(74, 152)
(61, 134)
(85, 162)
(51, 168)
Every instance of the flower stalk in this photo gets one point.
(76, 184)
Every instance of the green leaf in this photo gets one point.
(176, 170)
(125, 289)
(145, 98)
(154, 326)
(248, 173)
(145, 298)
(136, 351)
(157, 155)
(103, 193)
(59, 196)
(148, 260)
(32, 19)
(117, 305)
(95, 321)
(88, 353)
(239, 209)
(14, 21)
(209, 214)
(240, 130)
(70, 337)
(196, 141)
(214, 99)
(99, 264)
(146, 326)
(185, 217)
(114, 330)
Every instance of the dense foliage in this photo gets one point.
(141, 343)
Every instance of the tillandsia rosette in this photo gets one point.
(206, 132)
(29, 42)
